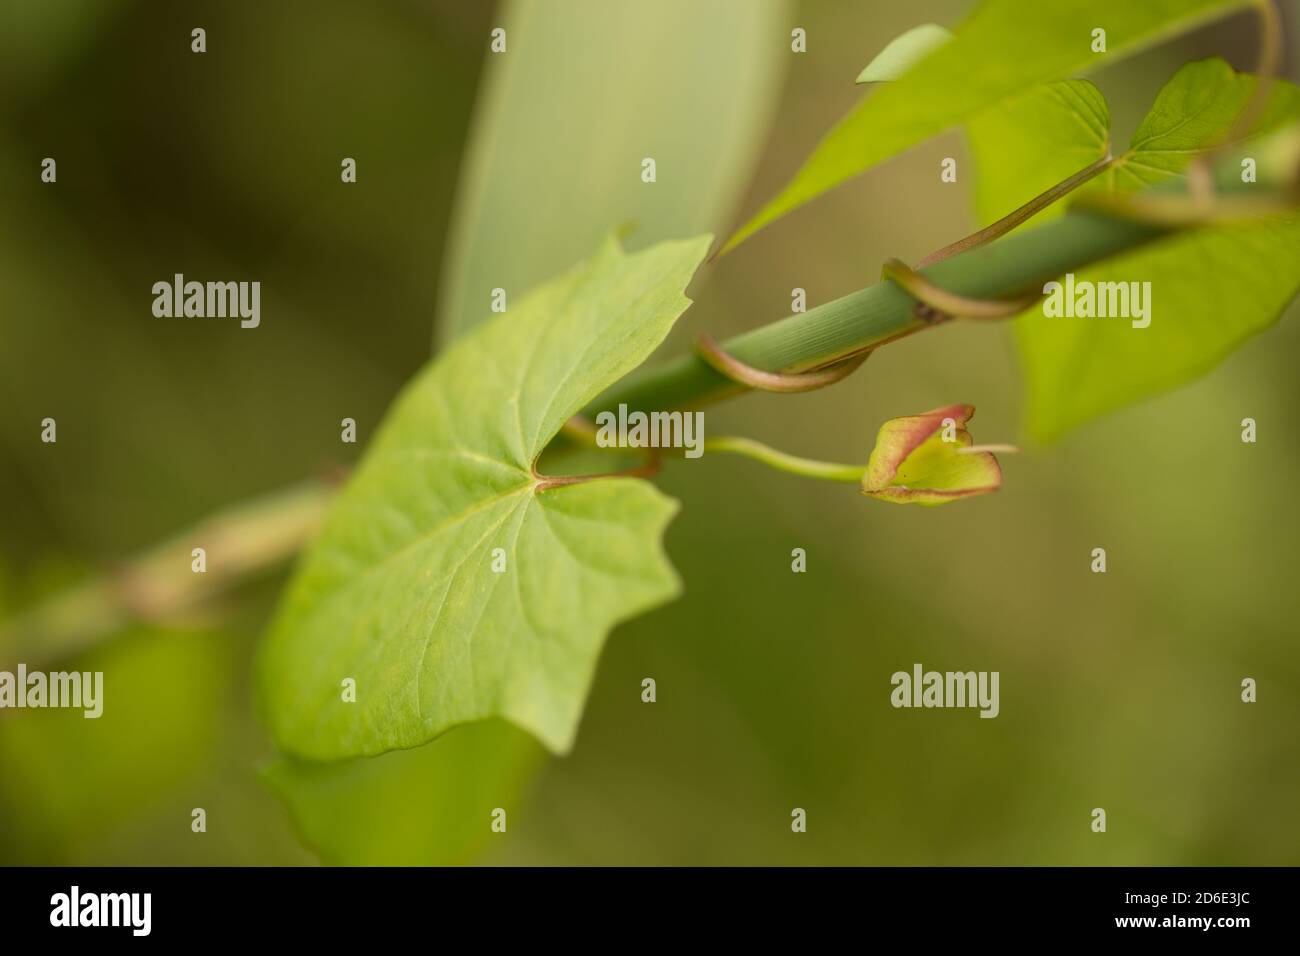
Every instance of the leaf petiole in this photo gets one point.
(807, 467)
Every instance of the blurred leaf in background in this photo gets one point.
(175, 733)
(1027, 145)
(587, 90)
(431, 805)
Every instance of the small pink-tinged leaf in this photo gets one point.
(913, 464)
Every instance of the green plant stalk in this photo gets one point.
(1024, 213)
(792, 464)
(883, 312)
(159, 586)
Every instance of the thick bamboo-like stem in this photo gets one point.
(881, 313)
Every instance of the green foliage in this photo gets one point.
(1025, 146)
(903, 52)
(561, 154)
(555, 158)
(73, 780)
(428, 806)
(1192, 113)
(1212, 287)
(1005, 47)
(399, 591)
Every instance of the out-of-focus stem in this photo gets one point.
(159, 586)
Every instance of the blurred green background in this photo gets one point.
(1118, 690)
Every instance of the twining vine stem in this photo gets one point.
(882, 313)
(974, 268)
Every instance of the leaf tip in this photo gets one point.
(903, 52)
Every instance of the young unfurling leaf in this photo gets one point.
(1003, 48)
(927, 459)
(1212, 287)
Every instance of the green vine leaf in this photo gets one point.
(450, 581)
(1027, 145)
(1192, 113)
(1211, 287)
(1004, 47)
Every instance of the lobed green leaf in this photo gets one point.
(1211, 288)
(1005, 47)
(399, 592)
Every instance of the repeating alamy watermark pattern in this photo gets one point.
(1085, 299)
(75, 908)
(922, 688)
(212, 300)
(651, 430)
(38, 689)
